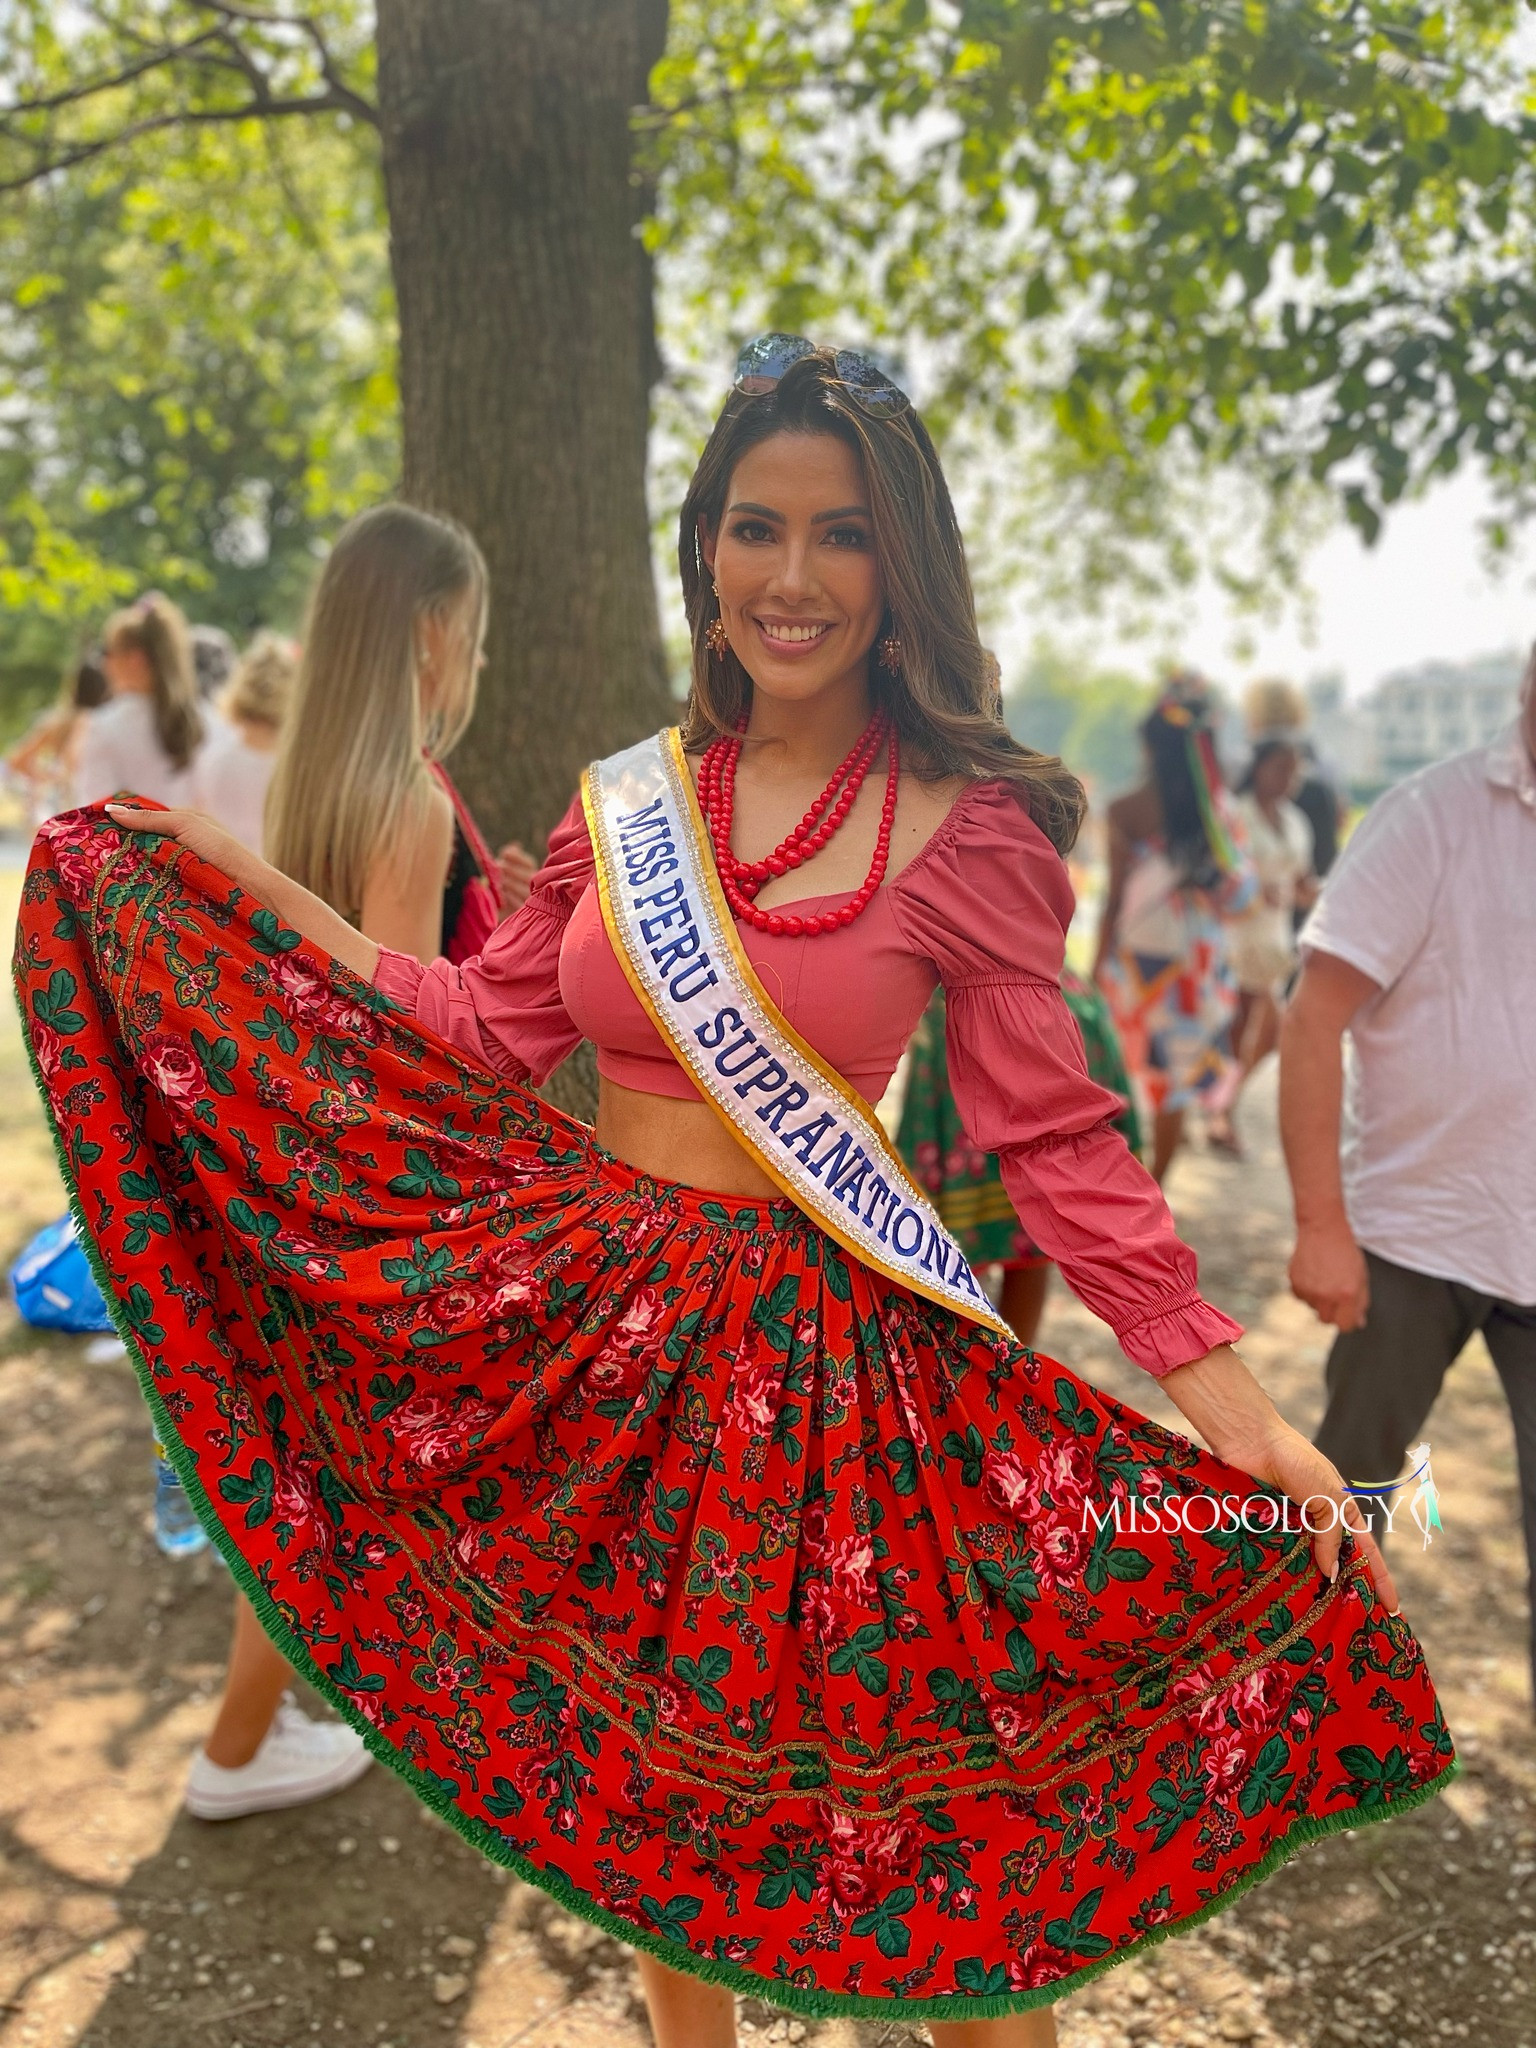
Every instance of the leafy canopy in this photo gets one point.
(197, 369)
(1291, 237)
(1134, 243)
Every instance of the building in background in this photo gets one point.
(1413, 717)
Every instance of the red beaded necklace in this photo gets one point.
(741, 880)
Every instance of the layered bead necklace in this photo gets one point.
(742, 879)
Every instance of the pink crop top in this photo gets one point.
(984, 909)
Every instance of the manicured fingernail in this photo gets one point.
(1334, 1573)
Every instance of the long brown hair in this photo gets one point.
(158, 629)
(944, 697)
(352, 768)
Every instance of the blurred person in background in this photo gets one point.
(234, 770)
(361, 811)
(1175, 874)
(965, 1184)
(1317, 796)
(1277, 839)
(1422, 1231)
(214, 660)
(146, 735)
(45, 758)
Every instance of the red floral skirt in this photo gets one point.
(772, 1618)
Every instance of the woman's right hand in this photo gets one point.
(199, 834)
(1328, 1272)
(296, 906)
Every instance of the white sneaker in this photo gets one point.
(300, 1760)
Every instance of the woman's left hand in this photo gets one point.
(1226, 1404)
(1299, 1470)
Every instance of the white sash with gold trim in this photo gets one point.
(678, 944)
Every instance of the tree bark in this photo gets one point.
(527, 353)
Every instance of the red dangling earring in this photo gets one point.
(888, 653)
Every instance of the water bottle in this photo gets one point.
(178, 1532)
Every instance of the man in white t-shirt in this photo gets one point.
(1423, 1230)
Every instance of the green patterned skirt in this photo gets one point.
(963, 1183)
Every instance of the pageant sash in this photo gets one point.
(678, 944)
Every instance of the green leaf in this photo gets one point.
(892, 1935)
(1070, 1411)
(1268, 1781)
(389, 1394)
(254, 1494)
(671, 1920)
(981, 1979)
(219, 1056)
(901, 1456)
(484, 1504)
(52, 1005)
(601, 1574)
(270, 935)
(1071, 1933)
(1025, 1674)
(424, 1178)
(349, 1675)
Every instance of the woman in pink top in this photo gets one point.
(812, 1637)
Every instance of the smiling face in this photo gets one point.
(795, 567)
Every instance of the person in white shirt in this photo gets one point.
(1423, 1232)
(146, 735)
(232, 773)
(1261, 941)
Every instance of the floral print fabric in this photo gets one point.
(757, 1609)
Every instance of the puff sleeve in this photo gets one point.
(989, 903)
(503, 1007)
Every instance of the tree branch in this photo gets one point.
(217, 48)
(152, 60)
(261, 17)
(186, 117)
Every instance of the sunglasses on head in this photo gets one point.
(763, 362)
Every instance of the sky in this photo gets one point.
(1421, 594)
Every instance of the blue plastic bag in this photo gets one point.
(53, 1284)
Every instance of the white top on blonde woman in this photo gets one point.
(120, 751)
(1435, 899)
(230, 778)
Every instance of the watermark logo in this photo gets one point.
(1419, 1490)
(1268, 1514)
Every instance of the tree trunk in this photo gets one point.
(527, 353)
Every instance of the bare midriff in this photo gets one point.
(677, 1141)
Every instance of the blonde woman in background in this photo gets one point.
(147, 734)
(234, 770)
(361, 811)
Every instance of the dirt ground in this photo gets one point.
(364, 1921)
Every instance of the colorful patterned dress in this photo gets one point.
(1169, 984)
(766, 1615)
(964, 1183)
